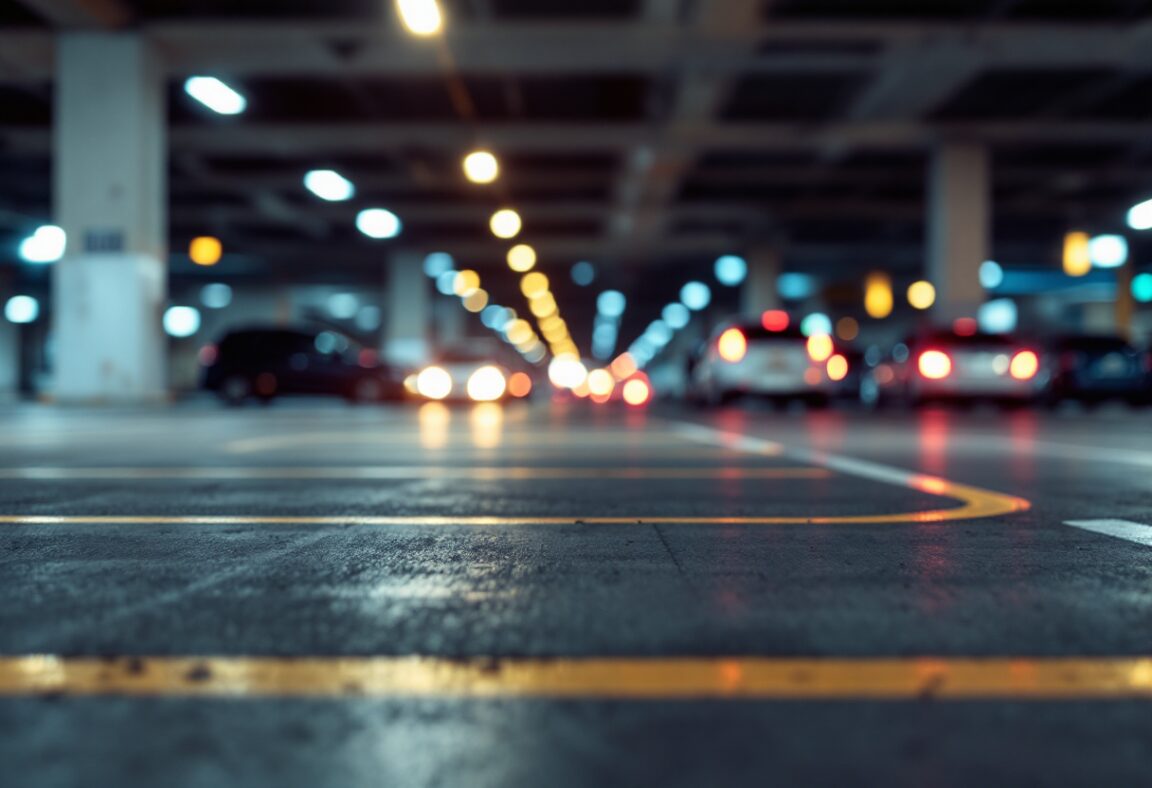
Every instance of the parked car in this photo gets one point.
(949, 366)
(779, 363)
(472, 372)
(265, 363)
(1096, 368)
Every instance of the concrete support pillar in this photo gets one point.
(450, 317)
(110, 196)
(407, 313)
(9, 357)
(759, 292)
(959, 218)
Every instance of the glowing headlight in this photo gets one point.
(487, 384)
(434, 383)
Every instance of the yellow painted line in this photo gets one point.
(407, 472)
(747, 678)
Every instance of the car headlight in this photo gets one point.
(434, 383)
(487, 384)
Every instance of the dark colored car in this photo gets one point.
(1096, 368)
(265, 363)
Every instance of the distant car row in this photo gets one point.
(262, 364)
(776, 361)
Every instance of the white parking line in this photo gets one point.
(1121, 529)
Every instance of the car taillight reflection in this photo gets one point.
(1024, 366)
(732, 345)
(934, 364)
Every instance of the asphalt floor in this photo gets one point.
(556, 594)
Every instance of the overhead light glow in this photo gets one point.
(521, 258)
(676, 315)
(1077, 256)
(991, 275)
(820, 347)
(816, 323)
(329, 185)
(216, 295)
(794, 286)
(481, 167)
(438, 263)
(215, 95)
(505, 223)
(205, 250)
(611, 303)
(921, 295)
(1142, 287)
(1140, 217)
(837, 368)
(343, 306)
(583, 273)
(878, 300)
(22, 309)
(378, 223)
(45, 245)
(181, 321)
(476, 300)
(465, 283)
(534, 285)
(998, 316)
(1108, 251)
(446, 282)
(847, 328)
(731, 270)
(696, 296)
(421, 17)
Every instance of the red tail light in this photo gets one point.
(934, 364)
(732, 345)
(1025, 365)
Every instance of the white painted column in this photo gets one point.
(759, 292)
(406, 318)
(959, 222)
(110, 195)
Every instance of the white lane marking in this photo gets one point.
(1121, 529)
(847, 465)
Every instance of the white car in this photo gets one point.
(771, 359)
(465, 373)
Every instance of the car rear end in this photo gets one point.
(980, 366)
(749, 359)
(1098, 368)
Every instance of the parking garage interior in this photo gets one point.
(519, 392)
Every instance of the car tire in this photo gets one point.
(235, 389)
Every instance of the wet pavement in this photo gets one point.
(551, 594)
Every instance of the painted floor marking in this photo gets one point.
(647, 678)
(1121, 529)
(405, 473)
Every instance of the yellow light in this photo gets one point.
(421, 17)
(544, 306)
(601, 382)
(520, 385)
(487, 384)
(837, 368)
(921, 295)
(553, 323)
(466, 283)
(624, 366)
(534, 284)
(521, 258)
(847, 328)
(481, 167)
(434, 383)
(519, 332)
(732, 345)
(636, 392)
(476, 300)
(505, 223)
(205, 250)
(1077, 257)
(567, 372)
(1025, 365)
(878, 295)
(819, 347)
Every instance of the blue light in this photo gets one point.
(991, 275)
(611, 303)
(795, 287)
(676, 316)
(583, 273)
(696, 296)
(997, 317)
(438, 263)
(731, 270)
(816, 323)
